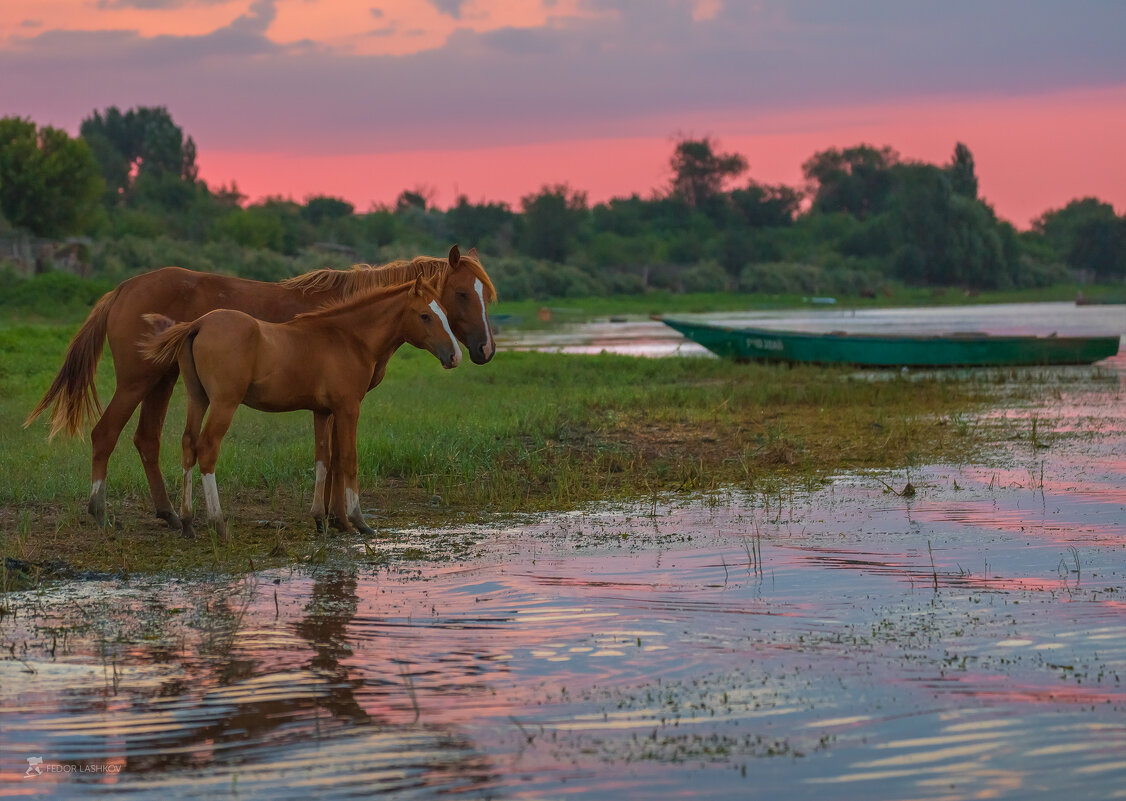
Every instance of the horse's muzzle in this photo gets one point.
(483, 353)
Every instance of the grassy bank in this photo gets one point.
(527, 432)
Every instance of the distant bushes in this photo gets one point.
(51, 294)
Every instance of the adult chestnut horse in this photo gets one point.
(325, 361)
(182, 295)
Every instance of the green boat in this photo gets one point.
(894, 350)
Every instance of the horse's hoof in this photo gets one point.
(187, 530)
(322, 525)
(172, 519)
(363, 527)
(97, 510)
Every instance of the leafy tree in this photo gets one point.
(945, 238)
(49, 182)
(142, 142)
(1087, 235)
(411, 199)
(322, 208)
(552, 220)
(699, 172)
(764, 206)
(963, 179)
(475, 224)
(856, 180)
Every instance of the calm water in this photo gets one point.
(969, 642)
(642, 337)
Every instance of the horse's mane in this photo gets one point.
(362, 277)
(357, 298)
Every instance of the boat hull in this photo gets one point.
(875, 350)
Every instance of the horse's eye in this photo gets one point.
(426, 318)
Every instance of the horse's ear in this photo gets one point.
(418, 287)
(473, 254)
(455, 257)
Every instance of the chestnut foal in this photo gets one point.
(324, 361)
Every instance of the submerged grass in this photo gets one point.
(528, 432)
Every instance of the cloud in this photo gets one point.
(451, 8)
(151, 5)
(635, 67)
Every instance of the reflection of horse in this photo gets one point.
(325, 361)
(182, 295)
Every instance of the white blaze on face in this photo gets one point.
(446, 325)
(211, 495)
(484, 317)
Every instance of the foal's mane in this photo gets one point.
(357, 298)
(361, 277)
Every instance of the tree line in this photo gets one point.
(864, 220)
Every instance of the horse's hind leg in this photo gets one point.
(147, 439)
(103, 438)
(196, 410)
(207, 453)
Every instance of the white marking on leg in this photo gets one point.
(351, 502)
(96, 487)
(186, 500)
(484, 317)
(211, 495)
(319, 490)
(446, 325)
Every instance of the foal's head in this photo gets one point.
(465, 295)
(425, 325)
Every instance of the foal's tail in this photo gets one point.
(168, 343)
(73, 393)
(162, 347)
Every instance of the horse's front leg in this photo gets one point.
(344, 446)
(322, 431)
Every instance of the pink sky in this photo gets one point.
(1011, 139)
(495, 99)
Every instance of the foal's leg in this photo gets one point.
(104, 436)
(147, 439)
(344, 435)
(322, 422)
(334, 486)
(207, 452)
(196, 409)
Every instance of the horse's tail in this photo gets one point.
(162, 347)
(73, 392)
(172, 342)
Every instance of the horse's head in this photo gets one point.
(465, 296)
(425, 324)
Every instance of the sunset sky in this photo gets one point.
(495, 98)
